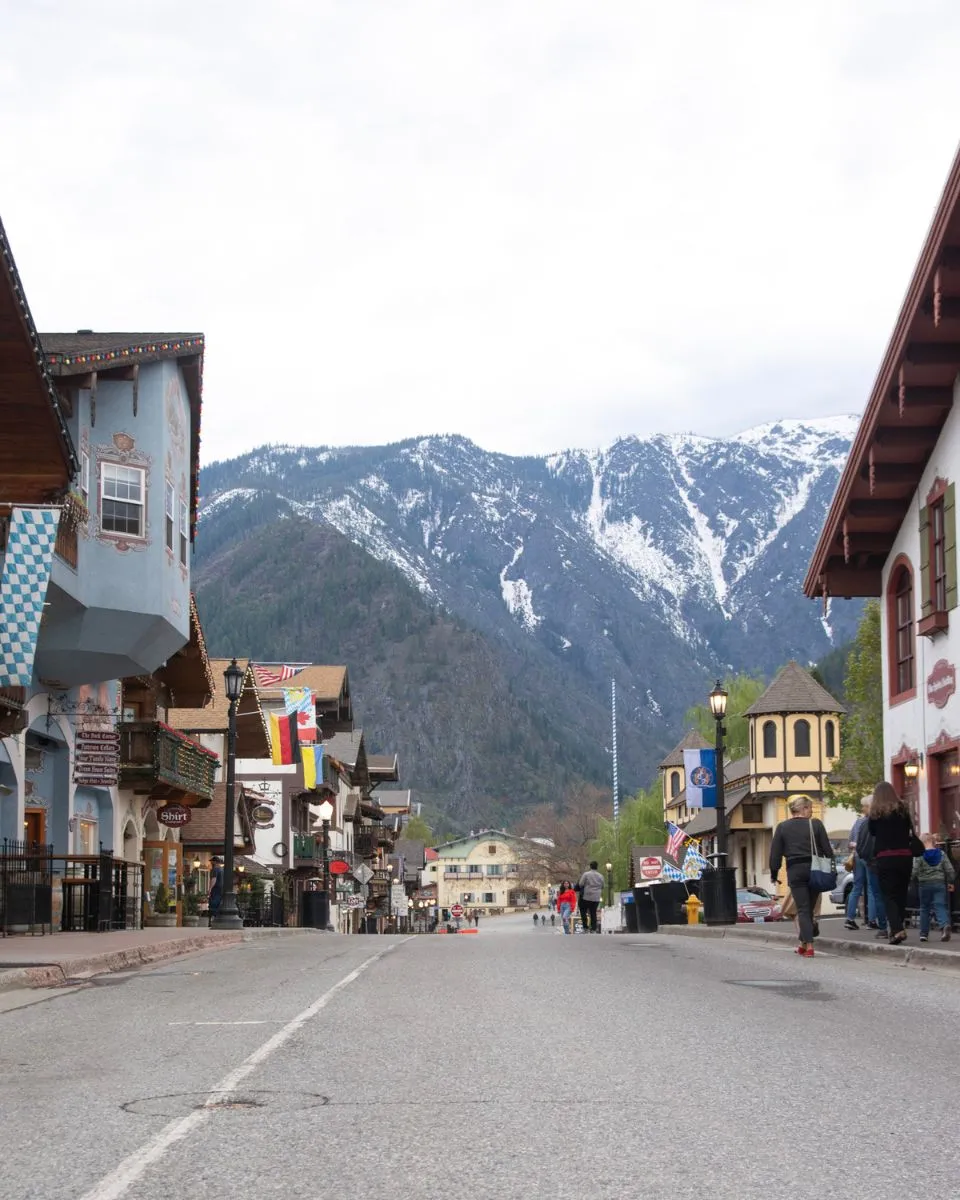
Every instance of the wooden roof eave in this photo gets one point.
(834, 570)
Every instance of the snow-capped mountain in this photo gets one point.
(659, 561)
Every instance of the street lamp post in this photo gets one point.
(325, 811)
(227, 916)
(724, 906)
(609, 885)
(389, 895)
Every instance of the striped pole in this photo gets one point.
(616, 766)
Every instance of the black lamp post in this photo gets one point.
(720, 899)
(227, 916)
(609, 885)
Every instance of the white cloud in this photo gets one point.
(538, 224)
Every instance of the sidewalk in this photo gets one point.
(834, 939)
(50, 960)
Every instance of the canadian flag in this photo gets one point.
(307, 725)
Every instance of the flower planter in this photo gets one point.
(162, 920)
(191, 922)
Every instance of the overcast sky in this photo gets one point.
(537, 223)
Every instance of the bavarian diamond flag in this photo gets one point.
(23, 590)
(701, 769)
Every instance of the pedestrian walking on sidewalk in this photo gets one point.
(935, 877)
(858, 838)
(797, 839)
(894, 843)
(215, 898)
(566, 904)
(591, 891)
(536, 919)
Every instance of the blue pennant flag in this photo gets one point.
(701, 769)
(672, 872)
(694, 864)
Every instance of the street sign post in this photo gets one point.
(456, 911)
(651, 868)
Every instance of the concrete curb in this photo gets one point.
(908, 956)
(56, 974)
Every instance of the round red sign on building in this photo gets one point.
(339, 867)
(174, 815)
(651, 868)
(941, 683)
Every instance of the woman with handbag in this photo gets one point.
(895, 847)
(803, 842)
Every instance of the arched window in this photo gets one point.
(674, 784)
(830, 739)
(900, 611)
(801, 738)
(769, 739)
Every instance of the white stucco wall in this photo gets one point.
(917, 723)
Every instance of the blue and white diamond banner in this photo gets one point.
(23, 590)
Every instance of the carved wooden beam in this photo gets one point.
(876, 508)
(912, 396)
(908, 435)
(879, 473)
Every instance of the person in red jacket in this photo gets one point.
(566, 904)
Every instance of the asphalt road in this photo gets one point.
(514, 1063)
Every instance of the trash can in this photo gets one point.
(313, 910)
(718, 891)
(646, 908)
(669, 898)
(630, 913)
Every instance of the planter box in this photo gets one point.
(161, 920)
(191, 922)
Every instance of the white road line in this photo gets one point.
(117, 1183)
(277, 1022)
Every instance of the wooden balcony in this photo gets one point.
(13, 711)
(159, 762)
(306, 850)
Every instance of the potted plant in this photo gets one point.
(192, 915)
(162, 915)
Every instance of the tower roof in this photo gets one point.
(794, 690)
(693, 739)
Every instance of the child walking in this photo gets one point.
(935, 876)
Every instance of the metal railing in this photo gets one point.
(305, 845)
(67, 543)
(100, 893)
(26, 888)
(261, 910)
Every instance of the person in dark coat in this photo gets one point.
(215, 899)
(892, 829)
(796, 839)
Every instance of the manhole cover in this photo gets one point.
(178, 1104)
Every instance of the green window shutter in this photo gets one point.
(926, 585)
(950, 543)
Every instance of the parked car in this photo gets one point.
(756, 904)
(841, 893)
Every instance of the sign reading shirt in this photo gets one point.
(701, 771)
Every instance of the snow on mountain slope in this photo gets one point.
(653, 556)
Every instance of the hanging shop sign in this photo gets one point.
(96, 757)
(941, 683)
(262, 816)
(174, 815)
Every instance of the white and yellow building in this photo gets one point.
(491, 870)
(794, 731)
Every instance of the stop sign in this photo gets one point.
(651, 868)
(457, 911)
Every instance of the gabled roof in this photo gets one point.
(706, 819)
(392, 799)
(693, 739)
(794, 690)
(205, 827)
(911, 399)
(88, 352)
(37, 456)
(253, 739)
(188, 673)
(326, 682)
(385, 768)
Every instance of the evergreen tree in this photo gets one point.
(417, 830)
(861, 729)
(742, 691)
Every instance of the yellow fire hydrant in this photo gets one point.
(693, 905)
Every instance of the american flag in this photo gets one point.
(675, 839)
(270, 677)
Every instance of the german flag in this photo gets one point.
(283, 738)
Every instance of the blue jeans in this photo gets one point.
(859, 887)
(933, 895)
(878, 910)
(565, 914)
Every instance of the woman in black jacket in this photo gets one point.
(891, 827)
(794, 840)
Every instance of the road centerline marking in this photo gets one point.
(118, 1182)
